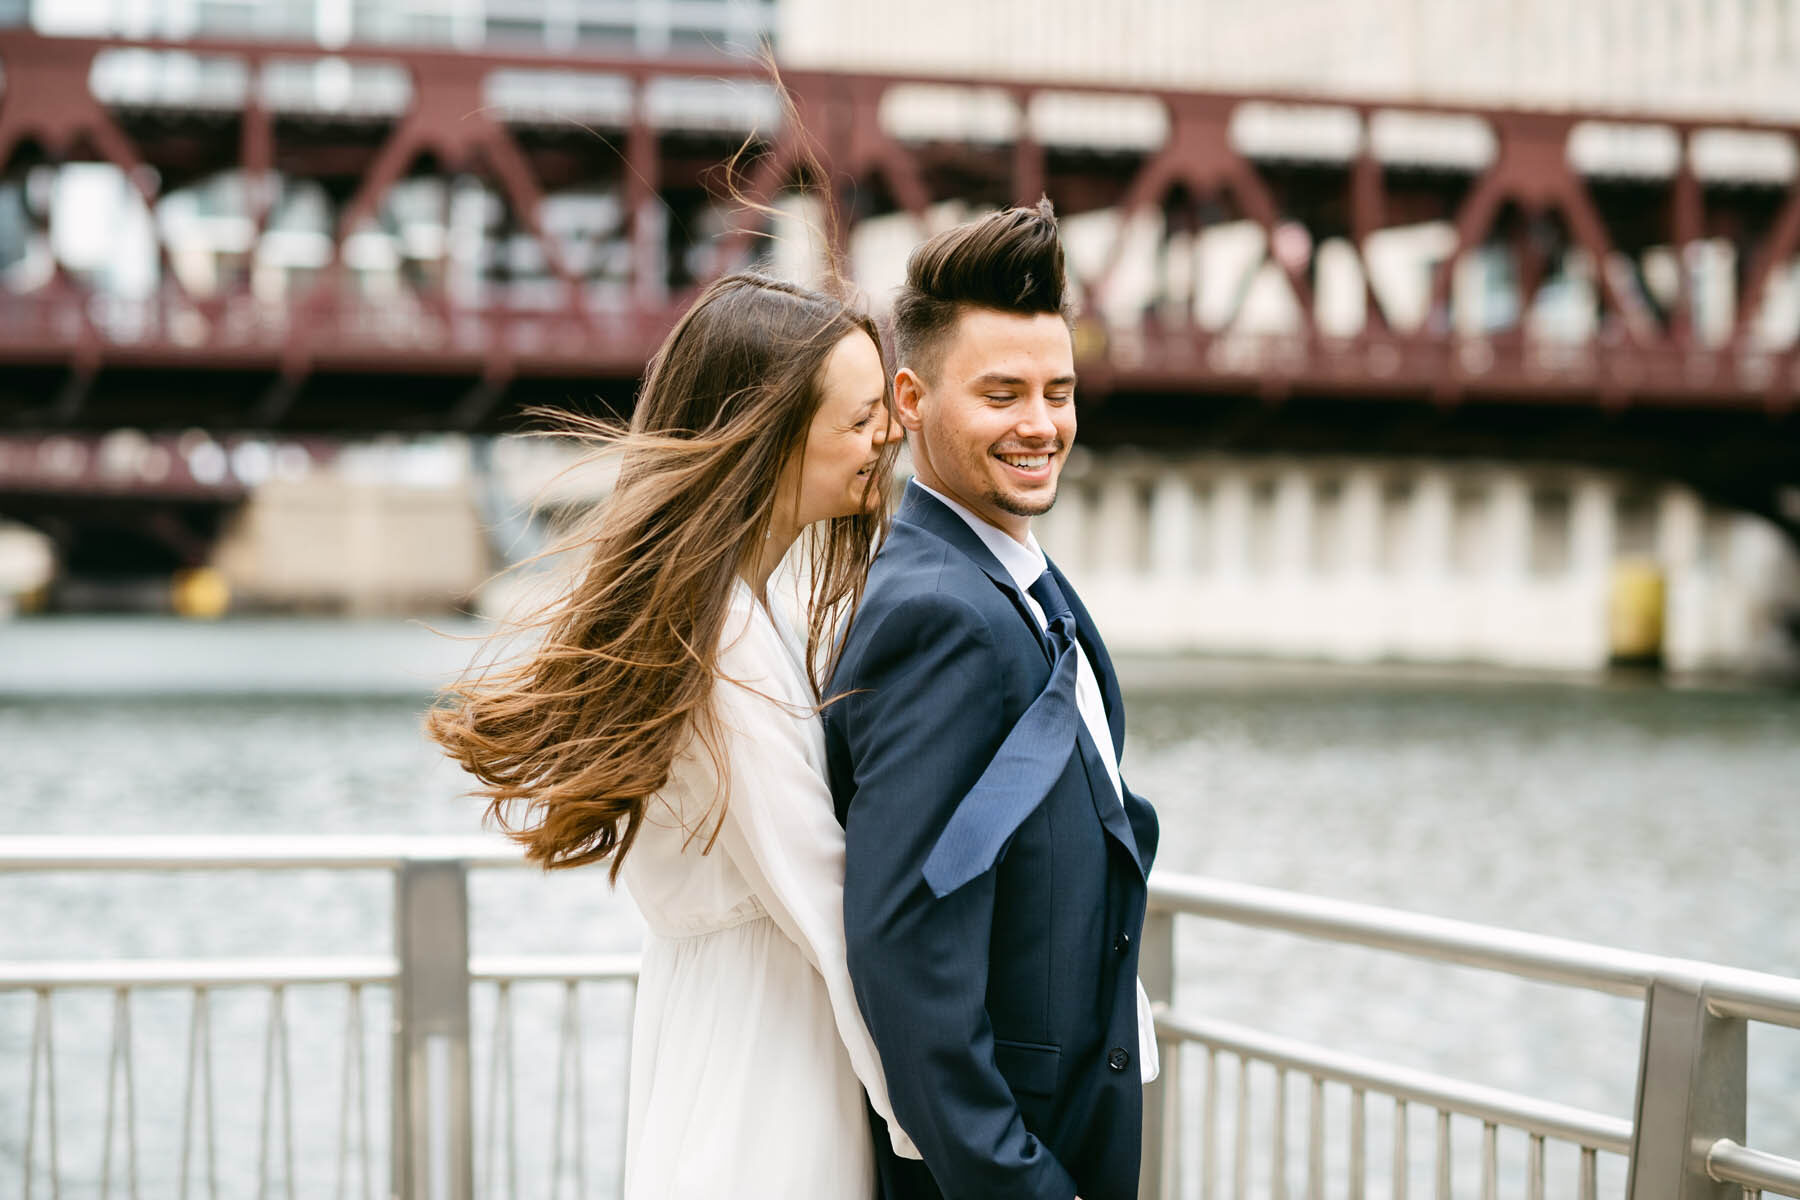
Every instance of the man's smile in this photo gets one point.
(1032, 467)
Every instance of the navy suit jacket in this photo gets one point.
(1005, 1012)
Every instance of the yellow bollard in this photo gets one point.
(1635, 612)
(199, 592)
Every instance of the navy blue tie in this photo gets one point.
(1059, 620)
(1023, 770)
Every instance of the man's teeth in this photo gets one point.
(1027, 462)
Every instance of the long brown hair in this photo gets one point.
(581, 731)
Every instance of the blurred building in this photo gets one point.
(1739, 57)
(387, 527)
(609, 26)
(1535, 565)
(1540, 564)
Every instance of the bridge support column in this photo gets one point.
(1231, 525)
(1591, 529)
(1509, 528)
(1171, 529)
(1431, 525)
(1690, 1093)
(1122, 538)
(1356, 589)
(1678, 527)
(1360, 523)
(1294, 517)
(1593, 544)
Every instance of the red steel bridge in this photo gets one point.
(1682, 364)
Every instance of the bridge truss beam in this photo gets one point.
(1597, 280)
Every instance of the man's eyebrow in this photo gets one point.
(994, 379)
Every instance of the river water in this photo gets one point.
(1628, 814)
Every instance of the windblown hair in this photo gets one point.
(1011, 260)
(570, 741)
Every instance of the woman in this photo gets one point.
(668, 724)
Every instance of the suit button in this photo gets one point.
(1122, 943)
(1118, 1059)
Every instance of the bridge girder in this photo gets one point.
(1656, 383)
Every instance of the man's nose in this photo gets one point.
(1035, 420)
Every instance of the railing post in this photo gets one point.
(432, 1153)
(1159, 1169)
(1690, 1093)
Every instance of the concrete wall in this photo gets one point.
(1694, 56)
(1368, 560)
(354, 541)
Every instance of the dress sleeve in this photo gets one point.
(780, 831)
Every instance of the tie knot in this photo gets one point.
(1050, 598)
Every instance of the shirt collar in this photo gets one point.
(1023, 562)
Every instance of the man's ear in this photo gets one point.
(909, 390)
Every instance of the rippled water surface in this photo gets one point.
(1641, 817)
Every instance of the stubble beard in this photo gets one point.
(1022, 508)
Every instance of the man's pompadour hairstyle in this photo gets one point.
(1011, 261)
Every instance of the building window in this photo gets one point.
(1143, 510)
(1259, 552)
(1201, 549)
(1328, 526)
(1551, 513)
(1395, 551)
(1635, 529)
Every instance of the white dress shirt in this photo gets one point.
(1024, 562)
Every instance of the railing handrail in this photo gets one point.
(1728, 1162)
(195, 972)
(219, 852)
(1543, 1117)
(1731, 991)
(44, 974)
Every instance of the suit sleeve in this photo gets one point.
(920, 727)
(780, 832)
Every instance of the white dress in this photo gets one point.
(749, 1057)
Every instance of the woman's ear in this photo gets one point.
(909, 391)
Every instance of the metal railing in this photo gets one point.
(1684, 1140)
(430, 979)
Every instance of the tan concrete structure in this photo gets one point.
(1357, 560)
(353, 541)
(1690, 56)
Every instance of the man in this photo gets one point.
(995, 864)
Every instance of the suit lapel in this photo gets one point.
(918, 507)
(1107, 806)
